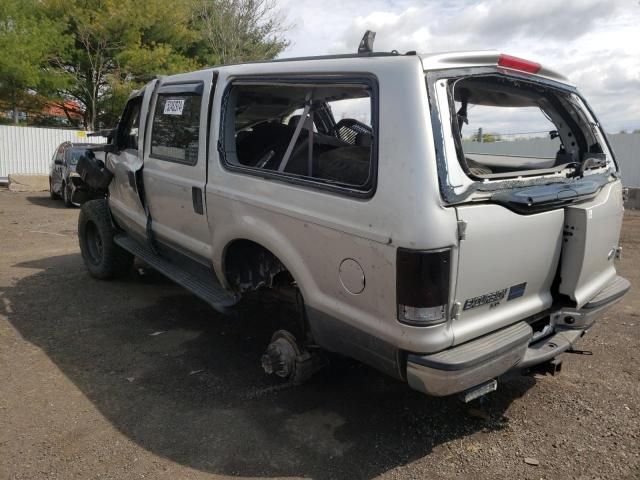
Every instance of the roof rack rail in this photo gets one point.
(365, 49)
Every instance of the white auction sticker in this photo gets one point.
(173, 107)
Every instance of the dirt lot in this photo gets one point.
(90, 389)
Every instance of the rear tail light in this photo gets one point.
(422, 286)
(516, 63)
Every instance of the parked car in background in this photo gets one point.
(63, 178)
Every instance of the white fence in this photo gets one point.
(29, 150)
(626, 147)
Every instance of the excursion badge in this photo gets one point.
(494, 298)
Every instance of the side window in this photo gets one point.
(310, 133)
(128, 131)
(176, 127)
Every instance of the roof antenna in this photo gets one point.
(366, 44)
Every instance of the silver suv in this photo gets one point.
(382, 190)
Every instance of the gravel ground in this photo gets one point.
(139, 379)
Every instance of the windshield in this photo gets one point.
(73, 155)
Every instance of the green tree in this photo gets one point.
(28, 42)
(491, 137)
(119, 44)
(486, 137)
(96, 51)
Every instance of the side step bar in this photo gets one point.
(208, 289)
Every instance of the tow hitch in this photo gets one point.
(552, 367)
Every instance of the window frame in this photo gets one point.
(355, 78)
(193, 88)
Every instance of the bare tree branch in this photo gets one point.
(241, 30)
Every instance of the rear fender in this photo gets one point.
(267, 236)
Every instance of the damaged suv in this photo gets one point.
(417, 244)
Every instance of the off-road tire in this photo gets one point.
(52, 194)
(66, 196)
(102, 256)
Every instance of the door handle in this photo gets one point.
(196, 196)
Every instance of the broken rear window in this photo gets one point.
(507, 127)
(320, 133)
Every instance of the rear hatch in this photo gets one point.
(535, 189)
(512, 265)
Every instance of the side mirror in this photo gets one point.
(105, 147)
(57, 161)
(110, 148)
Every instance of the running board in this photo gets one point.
(206, 288)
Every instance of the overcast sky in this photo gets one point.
(596, 43)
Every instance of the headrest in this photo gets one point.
(363, 140)
(293, 120)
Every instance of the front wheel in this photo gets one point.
(52, 194)
(66, 195)
(102, 256)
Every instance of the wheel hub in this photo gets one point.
(280, 357)
(287, 359)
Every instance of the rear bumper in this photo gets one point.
(485, 358)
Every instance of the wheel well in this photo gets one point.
(249, 266)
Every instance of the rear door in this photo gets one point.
(508, 261)
(175, 163)
(506, 266)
